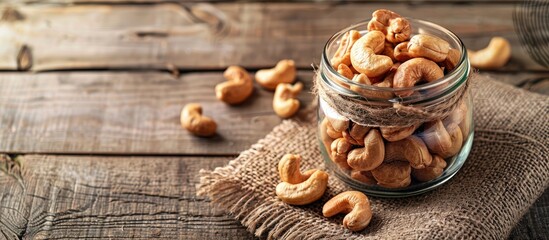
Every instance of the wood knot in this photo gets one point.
(24, 58)
(213, 17)
(9, 14)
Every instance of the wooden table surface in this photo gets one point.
(91, 92)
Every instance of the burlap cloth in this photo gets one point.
(507, 170)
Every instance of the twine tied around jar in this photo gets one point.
(395, 115)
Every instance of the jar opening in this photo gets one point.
(435, 89)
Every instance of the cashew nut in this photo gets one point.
(363, 79)
(356, 134)
(393, 174)
(436, 137)
(340, 148)
(456, 137)
(303, 193)
(442, 141)
(411, 149)
(389, 51)
(393, 134)
(495, 55)
(363, 176)
(237, 89)
(432, 171)
(342, 54)
(371, 155)
(284, 103)
(353, 203)
(288, 169)
(283, 72)
(324, 137)
(413, 71)
(401, 52)
(460, 116)
(339, 124)
(390, 23)
(452, 60)
(345, 71)
(465, 127)
(364, 56)
(429, 47)
(331, 131)
(193, 120)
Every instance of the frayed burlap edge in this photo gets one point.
(260, 215)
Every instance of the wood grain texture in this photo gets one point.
(138, 112)
(75, 197)
(535, 223)
(214, 1)
(126, 113)
(71, 197)
(213, 36)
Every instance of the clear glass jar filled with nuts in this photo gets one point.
(395, 113)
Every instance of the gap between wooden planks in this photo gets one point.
(43, 37)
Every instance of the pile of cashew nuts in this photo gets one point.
(299, 188)
(389, 56)
(239, 87)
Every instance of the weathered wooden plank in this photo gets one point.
(214, 1)
(535, 223)
(71, 197)
(535, 82)
(126, 113)
(214, 36)
(138, 112)
(75, 197)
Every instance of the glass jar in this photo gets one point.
(352, 144)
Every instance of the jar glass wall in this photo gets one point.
(430, 151)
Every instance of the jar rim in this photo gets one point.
(461, 68)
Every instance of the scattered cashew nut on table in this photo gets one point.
(305, 192)
(288, 169)
(193, 120)
(355, 205)
(285, 103)
(283, 72)
(237, 89)
(495, 55)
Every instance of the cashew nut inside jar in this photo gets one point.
(398, 121)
